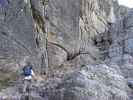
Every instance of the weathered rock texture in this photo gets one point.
(62, 36)
(93, 82)
(51, 33)
(17, 33)
(73, 29)
(120, 51)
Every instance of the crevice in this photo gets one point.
(38, 18)
(37, 42)
(40, 36)
(71, 56)
(43, 70)
(60, 46)
(4, 33)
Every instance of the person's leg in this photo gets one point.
(25, 86)
(29, 86)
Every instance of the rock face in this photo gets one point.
(17, 32)
(15, 39)
(54, 26)
(63, 29)
(93, 82)
(65, 39)
(120, 51)
(63, 20)
(73, 28)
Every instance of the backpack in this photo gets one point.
(27, 70)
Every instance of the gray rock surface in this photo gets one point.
(93, 82)
(16, 32)
(66, 25)
(120, 51)
(18, 36)
(73, 28)
(61, 38)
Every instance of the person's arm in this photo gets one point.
(32, 73)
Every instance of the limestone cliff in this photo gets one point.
(77, 44)
(55, 32)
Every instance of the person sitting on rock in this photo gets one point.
(28, 76)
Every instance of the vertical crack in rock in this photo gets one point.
(41, 34)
